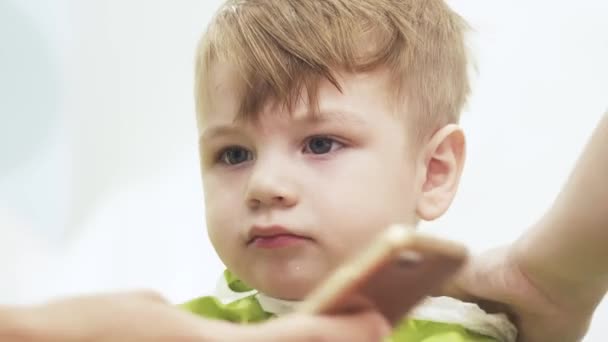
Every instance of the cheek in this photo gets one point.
(221, 212)
(372, 182)
(222, 229)
(367, 198)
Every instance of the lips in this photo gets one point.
(274, 237)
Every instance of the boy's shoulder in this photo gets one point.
(438, 319)
(244, 310)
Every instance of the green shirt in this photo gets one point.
(248, 309)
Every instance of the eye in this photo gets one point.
(235, 155)
(321, 145)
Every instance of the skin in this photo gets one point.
(366, 175)
(145, 316)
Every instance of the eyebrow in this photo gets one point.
(216, 131)
(309, 118)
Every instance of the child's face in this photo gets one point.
(289, 197)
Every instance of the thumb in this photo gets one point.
(486, 280)
(458, 287)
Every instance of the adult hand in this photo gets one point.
(145, 316)
(496, 282)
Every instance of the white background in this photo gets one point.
(99, 184)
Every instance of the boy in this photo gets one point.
(321, 123)
(324, 121)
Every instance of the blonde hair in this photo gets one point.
(283, 48)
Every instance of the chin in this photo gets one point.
(292, 285)
(286, 292)
(289, 274)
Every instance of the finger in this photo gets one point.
(453, 288)
(472, 281)
(352, 305)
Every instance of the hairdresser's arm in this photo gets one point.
(566, 253)
(553, 277)
(147, 317)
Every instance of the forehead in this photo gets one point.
(359, 90)
(225, 90)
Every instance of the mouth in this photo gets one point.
(272, 237)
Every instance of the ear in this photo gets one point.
(440, 167)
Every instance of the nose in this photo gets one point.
(270, 186)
